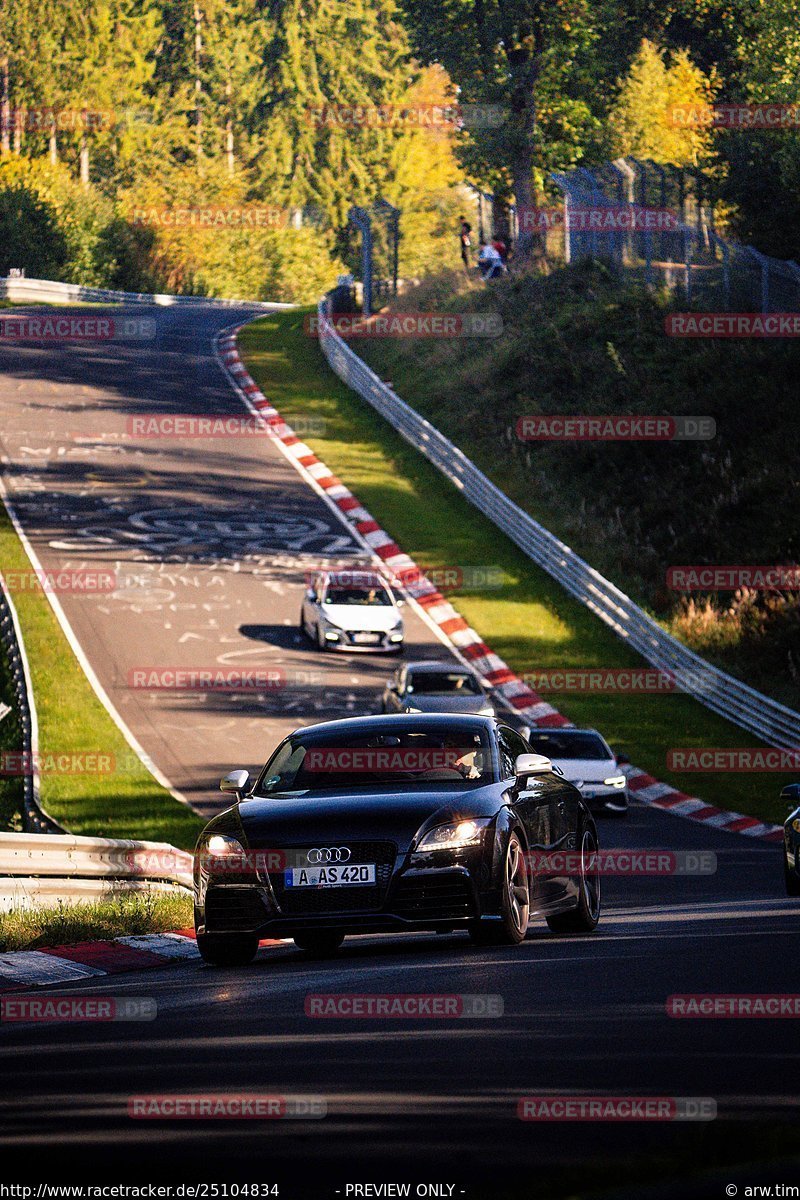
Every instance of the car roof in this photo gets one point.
(399, 721)
(568, 730)
(438, 664)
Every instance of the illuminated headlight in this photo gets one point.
(220, 846)
(617, 781)
(455, 836)
(796, 826)
(396, 632)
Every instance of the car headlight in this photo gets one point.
(796, 826)
(617, 781)
(455, 835)
(219, 846)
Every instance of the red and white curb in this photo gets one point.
(440, 612)
(67, 964)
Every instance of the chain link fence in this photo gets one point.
(655, 223)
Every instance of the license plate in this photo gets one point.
(331, 875)
(366, 638)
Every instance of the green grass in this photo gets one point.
(123, 803)
(578, 342)
(118, 916)
(531, 622)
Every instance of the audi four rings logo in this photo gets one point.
(328, 854)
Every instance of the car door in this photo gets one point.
(394, 692)
(539, 802)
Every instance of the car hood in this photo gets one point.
(335, 817)
(587, 770)
(446, 703)
(363, 618)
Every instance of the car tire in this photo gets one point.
(792, 877)
(319, 944)
(227, 949)
(512, 927)
(583, 918)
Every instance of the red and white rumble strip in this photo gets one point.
(23, 969)
(527, 703)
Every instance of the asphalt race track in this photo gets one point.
(423, 1100)
(207, 540)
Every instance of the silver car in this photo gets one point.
(435, 686)
(585, 759)
(352, 610)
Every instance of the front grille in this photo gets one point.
(311, 901)
(433, 896)
(232, 908)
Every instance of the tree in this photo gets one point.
(510, 54)
(650, 98)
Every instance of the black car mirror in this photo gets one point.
(622, 759)
(532, 764)
(790, 795)
(235, 781)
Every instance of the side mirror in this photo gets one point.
(532, 764)
(622, 759)
(235, 781)
(399, 601)
(310, 594)
(790, 795)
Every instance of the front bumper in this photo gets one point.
(351, 640)
(441, 890)
(599, 798)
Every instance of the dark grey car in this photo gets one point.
(430, 686)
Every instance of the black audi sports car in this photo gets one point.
(790, 795)
(392, 823)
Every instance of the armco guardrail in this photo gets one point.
(36, 819)
(63, 866)
(30, 291)
(776, 724)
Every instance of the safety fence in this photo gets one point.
(776, 724)
(45, 869)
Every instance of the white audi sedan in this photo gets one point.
(352, 610)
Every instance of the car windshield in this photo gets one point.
(443, 683)
(351, 595)
(569, 745)
(418, 758)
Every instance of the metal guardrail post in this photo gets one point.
(726, 268)
(359, 217)
(392, 215)
(687, 260)
(763, 263)
(36, 820)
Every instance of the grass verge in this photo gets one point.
(529, 620)
(123, 803)
(119, 916)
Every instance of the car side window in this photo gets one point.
(511, 746)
